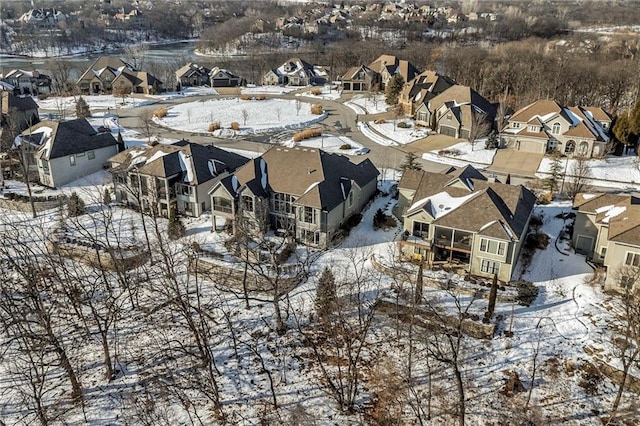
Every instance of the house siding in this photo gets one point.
(61, 172)
(615, 258)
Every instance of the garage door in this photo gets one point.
(528, 146)
(449, 131)
(584, 244)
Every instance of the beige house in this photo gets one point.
(305, 192)
(360, 79)
(607, 231)
(463, 220)
(455, 111)
(109, 73)
(175, 176)
(296, 72)
(388, 66)
(424, 87)
(546, 126)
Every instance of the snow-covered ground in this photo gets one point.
(251, 89)
(476, 155)
(331, 143)
(367, 103)
(68, 103)
(401, 136)
(187, 91)
(130, 137)
(613, 171)
(263, 116)
(328, 92)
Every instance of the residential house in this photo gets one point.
(44, 18)
(17, 114)
(191, 75)
(63, 152)
(389, 65)
(295, 72)
(464, 220)
(175, 176)
(546, 126)
(607, 231)
(421, 89)
(27, 82)
(455, 112)
(108, 73)
(220, 77)
(306, 192)
(360, 79)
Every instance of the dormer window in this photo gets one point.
(515, 125)
(534, 129)
(555, 129)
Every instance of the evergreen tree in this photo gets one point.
(634, 119)
(121, 145)
(411, 162)
(75, 205)
(82, 108)
(378, 219)
(621, 128)
(326, 298)
(492, 141)
(551, 183)
(393, 89)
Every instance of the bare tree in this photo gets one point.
(480, 126)
(146, 123)
(245, 116)
(579, 173)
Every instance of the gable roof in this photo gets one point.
(20, 103)
(393, 66)
(194, 163)
(114, 64)
(489, 208)
(352, 72)
(462, 95)
(428, 81)
(315, 177)
(60, 139)
(190, 69)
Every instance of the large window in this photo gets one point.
(308, 215)
(144, 188)
(491, 246)
(555, 129)
(489, 266)
(282, 203)
(310, 237)
(221, 204)
(91, 155)
(247, 203)
(420, 229)
(632, 259)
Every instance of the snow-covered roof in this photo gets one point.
(439, 204)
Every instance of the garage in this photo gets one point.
(530, 146)
(584, 244)
(448, 131)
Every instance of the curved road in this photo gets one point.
(341, 120)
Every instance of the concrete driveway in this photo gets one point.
(433, 142)
(518, 163)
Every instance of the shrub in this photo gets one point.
(527, 292)
(537, 241)
(260, 97)
(545, 198)
(75, 205)
(106, 197)
(403, 125)
(286, 252)
(317, 109)
(307, 133)
(214, 126)
(316, 91)
(161, 112)
(245, 97)
(378, 219)
(175, 229)
(351, 222)
(449, 152)
(380, 121)
(345, 146)
(235, 126)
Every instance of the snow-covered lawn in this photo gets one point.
(274, 90)
(261, 116)
(463, 153)
(326, 92)
(130, 137)
(401, 136)
(68, 103)
(331, 143)
(613, 171)
(367, 104)
(186, 92)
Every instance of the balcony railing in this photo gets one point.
(446, 242)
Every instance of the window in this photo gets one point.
(555, 129)
(282, 203)
(72, 160)
(420, 229)
(350, 197)
(491, 246)
(534, 129)
(247, 203)
(45, 166)
(603, 251)
(144, 188)
(91, 155)
(632, 259)
(186, 190)
(626, 282)
(515, 125)
(309, 215)
(221, 204)
(310, 237)
(570, 147)
(490, 267)
(449, 116)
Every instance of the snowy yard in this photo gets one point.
(326, 92)
(261, 116)
(367, 103)
(463, 153)
(331, 143)
(613, 171)
(95, 102)
(251, 89)
(400, 135)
